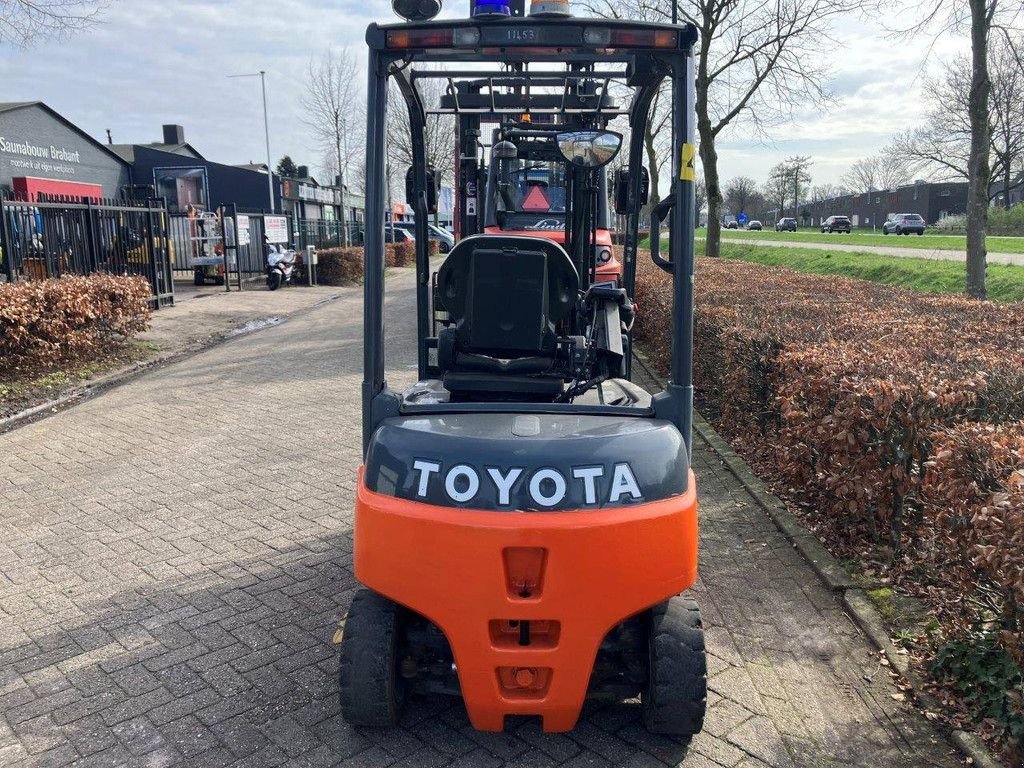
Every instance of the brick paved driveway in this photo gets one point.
(174, 556)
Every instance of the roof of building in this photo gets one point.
(10, 106)
(127, 151)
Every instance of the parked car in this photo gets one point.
(904, 224)
(394, 233)
(445, 239)
(836, 224)
(785, 225)
(731, 223)
(754, 224)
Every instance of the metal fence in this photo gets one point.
(327, 233)
(226, 245)
(54, 236)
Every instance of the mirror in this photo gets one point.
(622, 189)
(433, 182)
(589, 149)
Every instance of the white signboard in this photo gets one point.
(276, 228)
(243, 230)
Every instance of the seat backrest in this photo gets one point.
(506, 295)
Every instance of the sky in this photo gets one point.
(151, 62)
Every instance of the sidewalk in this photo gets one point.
(935, 254)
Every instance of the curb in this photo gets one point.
(854, 600)
(129, 373)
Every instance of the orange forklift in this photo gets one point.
(526, 516)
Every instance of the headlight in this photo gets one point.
(602, 254)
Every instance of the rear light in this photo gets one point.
(644, 38)
(419, 38)
(602, 254)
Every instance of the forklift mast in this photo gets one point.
(497, 70)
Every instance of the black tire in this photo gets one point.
(370, 689)
(899, 230)
(198, 278)
(675, 697)
(919, 234)
(274, 280)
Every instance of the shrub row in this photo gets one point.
(890, 416)
(344, 266)
(1001, 221)
(45, 322)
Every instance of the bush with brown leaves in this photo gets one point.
(860, 401)
(47, 322)
(339, 266)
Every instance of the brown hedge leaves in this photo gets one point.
(47, 322)
(893, 418)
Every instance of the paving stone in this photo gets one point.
(175, 555)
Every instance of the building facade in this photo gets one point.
(42, 153)
(934, 201)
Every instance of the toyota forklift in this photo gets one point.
(526, 515)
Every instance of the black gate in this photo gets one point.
(227, 241)
(55, 236)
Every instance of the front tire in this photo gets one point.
(370, 689)
(274, 280)
(675, 697)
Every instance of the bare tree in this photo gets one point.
(701, 196)
(332, 110)
(738, 193)
(941, 146)
(756, 62)
(776, 189)
(886, 170)
(982, 19)
(438, 134)
(799, 171)
(22, 22)
(820, 192)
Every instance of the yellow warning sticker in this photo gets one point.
(687, 169)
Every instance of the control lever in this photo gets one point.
(658, 214)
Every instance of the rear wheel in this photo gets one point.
(675, 696)
(371, 691)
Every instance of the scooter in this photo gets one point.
(281, 268)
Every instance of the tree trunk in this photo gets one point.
(652, 167)
(977, 164)
(1007, 184)
(708, 154)
(709, 160)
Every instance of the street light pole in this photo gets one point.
(266, 133)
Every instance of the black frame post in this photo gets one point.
(373, 279)
(5, 242)
(681, 240)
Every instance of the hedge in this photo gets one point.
(888, 416)
(344, 266)
(46, 322)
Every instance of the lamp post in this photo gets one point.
(266, 133)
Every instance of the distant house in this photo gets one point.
(42, 152)
(998, 192)
(174, 170)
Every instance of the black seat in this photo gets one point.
(506, 298)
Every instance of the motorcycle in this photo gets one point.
(281, 268)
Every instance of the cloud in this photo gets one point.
(152, 62)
